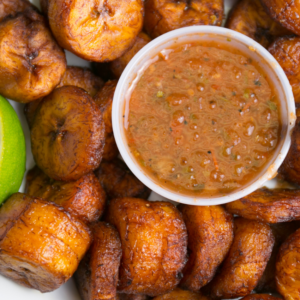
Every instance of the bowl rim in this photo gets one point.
(119, 96)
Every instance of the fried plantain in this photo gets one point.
(131, 297)
(210, 232)
(250, 18)
(31, 63)
(162, 16)
(75, 76)
(41, 244)
(288, 269)
(290, 167)
(179, 294)
(98, 30)
(281, 231)
(246, 261)
(104, 100)
(270, 206)
(30, 110)
(286, 50)
(260, 297)
(118, 65)
(13, 7)
(154, 245)
(67, 136)
(286, 12)
(118, 181)
(84, 198)
(82, 78)
(97, 276)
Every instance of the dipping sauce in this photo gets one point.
(203, 119)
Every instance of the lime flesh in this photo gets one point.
(12, 151)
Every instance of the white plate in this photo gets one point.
(10, 290)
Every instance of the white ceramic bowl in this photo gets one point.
(143, 58)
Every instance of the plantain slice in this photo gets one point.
(84, 198)
(104, 100)
(287, 267)
(246, 261)
(154, 245)
(75, 76)
(67, 135)
(13, 7)
(162, 16)
(281, 231)
(31, 63)
(286, 12)
(290, 167)
(82, 78)
(260, 297)
(270, 206)
(250, 18)
(118, 65)
(118, 181)
(286, 50)
(96, 30)
(179, 294)
(131, 297)
(210, 232)
(97, 275)
(41, 245)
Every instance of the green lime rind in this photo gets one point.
(12, 151)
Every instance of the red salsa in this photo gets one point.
(203, 119)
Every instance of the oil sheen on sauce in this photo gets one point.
(203, 120)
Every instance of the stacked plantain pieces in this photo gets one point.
(84, 213)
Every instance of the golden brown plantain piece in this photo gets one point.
(84, 198)
(118, 181)
(286, 50)
(131, 297)
(98, 30)
(246, 261)
(270, 206)
(179, 294)
(82, 78)
(260, 297)
(104, 100)
(286, 12)
(210, 232)
(41, 244)
(154, 245)
(13, 7)
(288, 268)
(162, 16)
(31, 63)
(290, 167)
(118, 65)
(67, 136)
(97, 276)
(30, 110)
(75, 76)
(281, 231)
(250, 18)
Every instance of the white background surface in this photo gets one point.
(8, 289)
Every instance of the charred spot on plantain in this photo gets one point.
(104, 10)
(59, 133)
(29, 58)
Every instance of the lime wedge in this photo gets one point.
(12, 151)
